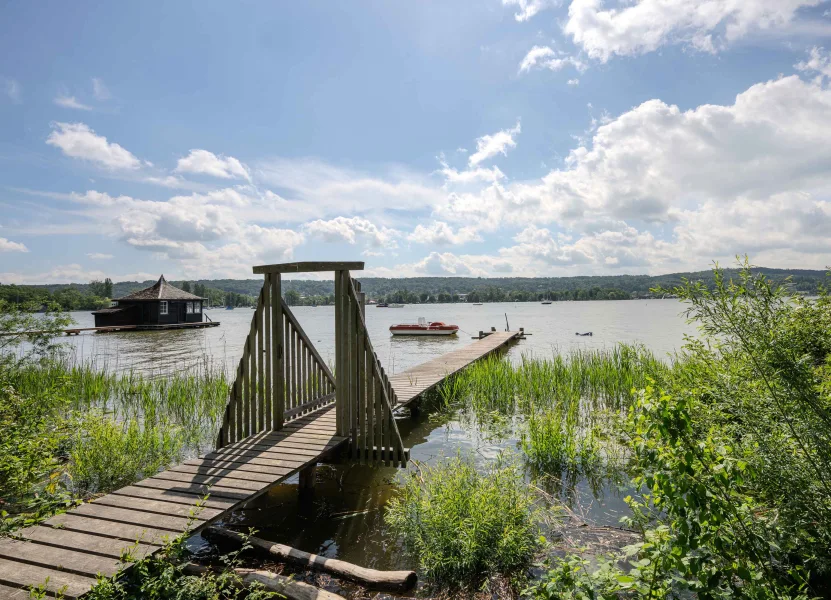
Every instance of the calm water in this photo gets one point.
(344, 516)
(654, 323)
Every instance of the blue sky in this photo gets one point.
(490, 138)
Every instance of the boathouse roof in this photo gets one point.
(161, 290)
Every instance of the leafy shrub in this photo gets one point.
(465, 526)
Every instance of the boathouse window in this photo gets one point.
(189, 308)
(163, 307)
(197, 307)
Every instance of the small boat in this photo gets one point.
(546, 302)
(229, 307)
(583, 334)
(381, 305)
(395, 305)
(477, 304)
(423, 327)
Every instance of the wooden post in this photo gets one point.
(260, 313)
(278, 394)
(340, 351)
(308, 477)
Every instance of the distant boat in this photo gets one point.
(546, 302)
(381, 305)
(583, 334)
(424, 328)
(477, 304)
(229, 307)
(395, 305)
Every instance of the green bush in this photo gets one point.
(465, 526)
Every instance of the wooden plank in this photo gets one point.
(210, 481)
(59, 559)
(260, 310)
(22, 575)
(274, 467)
(175, 497)
(231, 472)
(158, 506)
(91, 544)
(272, 447)
(286, 454)
(308, 267)
(128, 532)
(11, 593)
(175, 486)
(278, 383)
(135, 517)
(238, 397)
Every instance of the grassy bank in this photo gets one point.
(726, 448)
(71, 431)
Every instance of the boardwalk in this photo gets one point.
(411, 383)
(65, 553)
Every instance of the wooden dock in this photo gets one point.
(274, 427)
(65, 553)
(410, 384)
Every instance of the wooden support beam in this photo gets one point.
(308, 267)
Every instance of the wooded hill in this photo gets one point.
(413, 289)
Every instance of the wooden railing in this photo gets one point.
(280, 376)
(365, 398)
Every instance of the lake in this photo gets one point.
(656, 324)
(344, 517)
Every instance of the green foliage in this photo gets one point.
(164, 576)
(465, 526)
(555, 442)
(731, 456)
(23, 324)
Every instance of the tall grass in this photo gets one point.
(566, 404)
(465, 525)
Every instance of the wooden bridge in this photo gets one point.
(286, 412)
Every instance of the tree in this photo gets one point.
(186, 286)
(108, 288)
(17, 319)
(292, 297)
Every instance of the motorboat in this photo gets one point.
(423, 327)
(395, 305)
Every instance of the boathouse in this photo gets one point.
(160, 304)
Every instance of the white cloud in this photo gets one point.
(71, 273)
(71, 102)
(527, 8)
(543, 57)
(489, 146)
(99, 256)
(208, 163)
(635, 28)
(478, 174)
(573, 82)
(12, 89)
(819, 61)
(10, 246)
(349, 230)
(100, 90)
(77, 140)
(440, 233)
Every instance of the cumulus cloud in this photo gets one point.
(544, 57)
(440, 233)
(77, 140)
(12, 89)
(526, 8)
(489, 146)
(10, 246)
(573, 82)
(350, 230)
(635, 28)
(99, 256)
(819, 61)
(207, 163)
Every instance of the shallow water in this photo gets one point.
(344, 516)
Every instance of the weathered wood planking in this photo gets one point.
(65, 554)
(413, 382)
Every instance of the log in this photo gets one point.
(372, 578)
(285, 586)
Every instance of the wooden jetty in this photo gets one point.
(286, 412)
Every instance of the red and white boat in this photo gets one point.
(424, 328)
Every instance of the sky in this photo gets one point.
(431, 138)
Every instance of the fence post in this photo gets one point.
(278, 394)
